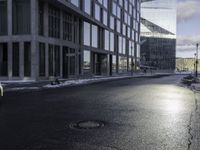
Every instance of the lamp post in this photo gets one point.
(196, 74)
(132, 60)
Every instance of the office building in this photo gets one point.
(158, 34)
(40, 39)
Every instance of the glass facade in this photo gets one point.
(21, 17)
(27, 59)
(3, 59)
(67, 44)
(15, 59)
(158, 34)
(3, 17)
(86, 61)
(42, 59)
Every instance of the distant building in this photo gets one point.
(68, 38)
(186, 64)
(158, 34)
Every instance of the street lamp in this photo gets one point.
(132, 60)
(195, 55)
(196, 74)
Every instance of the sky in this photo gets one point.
(188, 27)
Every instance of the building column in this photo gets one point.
(61, 49)
(9, 8)
(10, 60)
(46, 60)
(61, 61)
(21, 60)
(108, 64)
(34, 44)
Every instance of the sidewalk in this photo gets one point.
(195, 125)
(36, 85)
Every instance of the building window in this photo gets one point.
(75, 2)
(41, 59)
(41, 18)
(112, 22)
(86, 34)
(122, 64)
(124, 45)
(86, 61)
(87, 6)
(67, 26)
(114, 64)
(97, 12)
(124, 29)
(54, 22)
(112, 39)
(114, 8)
(54, 60)
(138, 50)
(21, 17)
(105, 18)
(105, 3)
(3, 17)
(27, 59)
(118, 26)
(57, 60)
(119, 44)
(15, 60)
(3, 59)
(118, 12)
(106, 40)
(94, 36)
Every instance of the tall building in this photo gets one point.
(158, 34)
(68, 38)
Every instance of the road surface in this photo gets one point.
(140, 113)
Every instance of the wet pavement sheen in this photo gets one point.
(142, 113)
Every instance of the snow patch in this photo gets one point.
(81, 81)
(22, 88)
(196, 86)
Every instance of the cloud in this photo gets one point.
(187, 43)
(187, 10)
(188, 40)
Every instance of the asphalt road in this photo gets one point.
(141, 113)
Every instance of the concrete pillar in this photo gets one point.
(61, 37)
(10, 60)
(61, 61)
(9, 7)
(34, 43)
(21, 60)
(46, 60)
(108, 65)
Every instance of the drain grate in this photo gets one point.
(89, 124)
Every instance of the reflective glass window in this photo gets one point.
(94, 36)
(87, 6)
(86, 34)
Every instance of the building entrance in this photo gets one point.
(100, 64)
(69, 62)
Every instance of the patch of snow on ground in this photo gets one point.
(80, 81)
(22, 88)
(196, 86)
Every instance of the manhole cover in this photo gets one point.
(90, 124)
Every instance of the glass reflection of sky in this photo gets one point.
(161, 13)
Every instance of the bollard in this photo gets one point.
(1, 90)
